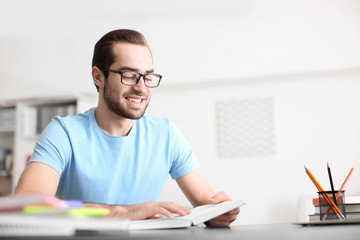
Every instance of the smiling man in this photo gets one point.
(113, 155)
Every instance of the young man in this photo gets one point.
(112, 155)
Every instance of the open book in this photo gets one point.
(198, 215)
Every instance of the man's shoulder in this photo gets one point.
(154, 120)
(85, 116)
(80, 119)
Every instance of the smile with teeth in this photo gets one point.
(136, 100)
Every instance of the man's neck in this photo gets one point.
(111, 123)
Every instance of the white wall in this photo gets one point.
(46, 46)
(305, 54)
(317, 120)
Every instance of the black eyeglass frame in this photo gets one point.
(139, 75)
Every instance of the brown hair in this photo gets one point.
(103, 51)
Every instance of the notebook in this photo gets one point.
(19, 224)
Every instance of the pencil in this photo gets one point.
(346, 179)
(326, 197)
(341, 188)
(331, 184)
(329, 201)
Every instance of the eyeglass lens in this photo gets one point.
(131, 78)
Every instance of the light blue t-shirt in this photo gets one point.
(99, 168)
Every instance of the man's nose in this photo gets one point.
(140, 86)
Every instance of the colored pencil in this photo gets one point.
(326, 197)
(341, 188)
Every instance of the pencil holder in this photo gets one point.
(326, 211)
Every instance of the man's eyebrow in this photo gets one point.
(134, 69)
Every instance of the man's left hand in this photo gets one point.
(223, 220)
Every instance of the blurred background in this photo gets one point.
(259, 88)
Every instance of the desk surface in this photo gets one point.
(277, 231)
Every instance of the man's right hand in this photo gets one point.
(142, 211)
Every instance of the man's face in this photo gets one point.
(128, 101)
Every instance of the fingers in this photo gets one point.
(168, 209)
(218, 223)
(219, 197)
(154, 209)
(224, 220)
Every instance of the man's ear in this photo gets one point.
(98, 76)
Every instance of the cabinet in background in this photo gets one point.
(21, 123)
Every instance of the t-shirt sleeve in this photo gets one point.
(53, 147)
(184, 160)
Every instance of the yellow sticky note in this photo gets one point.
(88, 212)
(38, 209)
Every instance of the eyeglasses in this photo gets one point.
(131, 78)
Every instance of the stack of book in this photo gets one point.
(352, 208)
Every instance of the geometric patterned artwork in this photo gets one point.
(245, 128)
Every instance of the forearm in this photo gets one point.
(198, 192)
(196, 188)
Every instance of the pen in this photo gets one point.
(326, 197)
(331, 184)
(341, 188)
